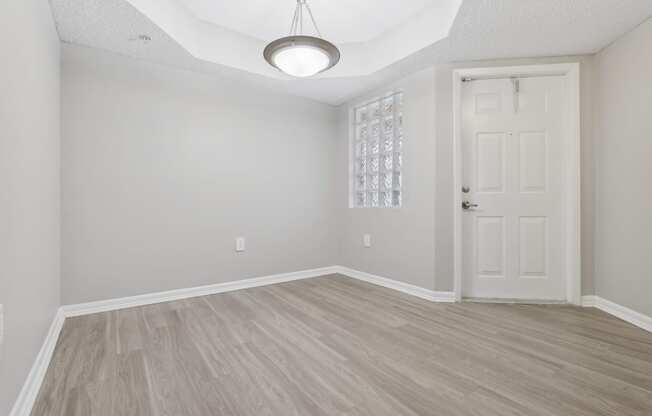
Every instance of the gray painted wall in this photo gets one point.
(403, 240)
(415, 244)
(623, 266)
(29, 186)
(162, 169)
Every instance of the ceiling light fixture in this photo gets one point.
(301, 55)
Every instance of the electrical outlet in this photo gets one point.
(240, 244)
(366, 240)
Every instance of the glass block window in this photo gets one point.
(376, 153)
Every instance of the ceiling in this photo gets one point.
(339, 21)
(441, 31)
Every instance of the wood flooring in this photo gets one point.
(337, 346)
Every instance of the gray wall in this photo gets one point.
(162, 169)
(415, 244)
(29, 186)
(623, 266)
(403, 240)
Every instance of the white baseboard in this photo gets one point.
(619, 311)
(589, 301)
(158, 297)
(417, 291)
(27, 396)
(171, 295)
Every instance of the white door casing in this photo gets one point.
(518, 155)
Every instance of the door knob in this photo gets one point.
(468, 205)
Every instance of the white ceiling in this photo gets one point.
(219, 44)
(481, 29)
(489, 29)
(339, 21)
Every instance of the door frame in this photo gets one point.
(571, 210)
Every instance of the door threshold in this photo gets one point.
(515, 301)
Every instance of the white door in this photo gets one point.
(512, 150)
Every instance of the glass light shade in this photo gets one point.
(301, 56)
(301, 60)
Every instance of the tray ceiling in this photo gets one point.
(445, 31)
(341, 21)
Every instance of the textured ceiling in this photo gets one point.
(483, 29)
(341, 21)
(488, 29)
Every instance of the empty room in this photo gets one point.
(325, 207)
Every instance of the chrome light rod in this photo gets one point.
(470, 79)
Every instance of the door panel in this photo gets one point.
(533, 243)
(490, 169)
(533, 161)
(490, 246)
(512, 162)
(488, 103)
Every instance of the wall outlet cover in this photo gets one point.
(240, 244)
(366, 240)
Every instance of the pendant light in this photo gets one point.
(301, 55)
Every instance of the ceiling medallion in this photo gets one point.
(301, 55)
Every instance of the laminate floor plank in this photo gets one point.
(337, 346)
